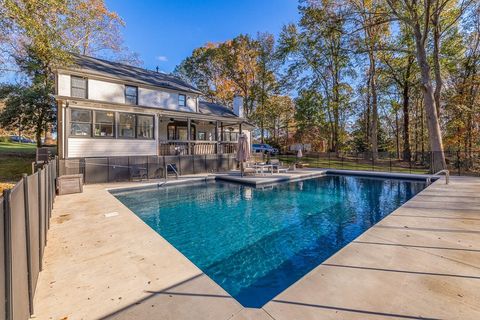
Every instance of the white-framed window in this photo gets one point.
(135, 126)
(131, 94)
(127, 123)
(182, 100)
(80, 123)
(85, 123)
(104, 124)
(145, 127)
(78, 87)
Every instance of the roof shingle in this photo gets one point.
(130, 73)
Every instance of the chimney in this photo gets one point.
(238, 106)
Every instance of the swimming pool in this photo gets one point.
(255, 242)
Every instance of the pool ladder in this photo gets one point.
(171, 166)
(447, 176)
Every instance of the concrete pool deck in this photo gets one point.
(421, 261)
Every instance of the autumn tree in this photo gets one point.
(317, 60)
(417, 17)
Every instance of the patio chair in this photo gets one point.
(137, 171)
(278, 166)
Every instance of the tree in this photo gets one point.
(41, 35)
(267, 84)
(243, 65)
(30, 105)
(368, 16)
(417, 17)
(317, 60)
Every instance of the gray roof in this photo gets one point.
(132, 74)
(213, 109)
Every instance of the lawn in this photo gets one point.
(15, 147)
(352, 164)
(15, 159)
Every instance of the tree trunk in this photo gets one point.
(397, 134)
(406, 120)
(435, 136)
(374, 127)
(437, 68)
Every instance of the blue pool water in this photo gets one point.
(257, 242)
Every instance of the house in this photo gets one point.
(110, 109)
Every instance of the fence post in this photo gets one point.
(8, 255)
(29, 250)
(458, 162)
(40, 223)
(390, 160)
(373, 162)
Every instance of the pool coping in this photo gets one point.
(271, 180)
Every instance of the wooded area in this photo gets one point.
(366, 76)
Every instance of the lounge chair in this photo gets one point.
(278, 166)
(249, 168)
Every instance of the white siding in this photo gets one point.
(79, 147)
(106, 91)
(101, 90)
(63, 85)
(164, 100)
(191, 103)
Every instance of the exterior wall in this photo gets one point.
(106, 91)
(164, 100)
(64, 85)
(87, 147)
(79, 147)
(114, 92)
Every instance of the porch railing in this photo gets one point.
(194, 147)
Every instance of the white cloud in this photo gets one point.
(162, 58)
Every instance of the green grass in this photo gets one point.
(15, 159)
(351, 164)
(15, 147)
(12, 168)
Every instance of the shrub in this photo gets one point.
(4, 139)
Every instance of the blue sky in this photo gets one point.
(165, 32)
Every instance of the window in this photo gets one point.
(79, 87)
(133, 126)
(182, 100)
(127, 124)
(202, 136)
(131, 95)
(80, 123)
(171, 132)
(144, 127)
(104, 124)
(182, 133)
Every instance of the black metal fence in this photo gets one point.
(115, 169)
(25, 211)
(458, 163)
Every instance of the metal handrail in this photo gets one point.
(173, 168)
(447, 176)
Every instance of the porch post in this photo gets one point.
(217, 144)
(189, 151)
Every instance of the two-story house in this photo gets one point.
(111, 109)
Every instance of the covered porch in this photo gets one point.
(196, 136)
